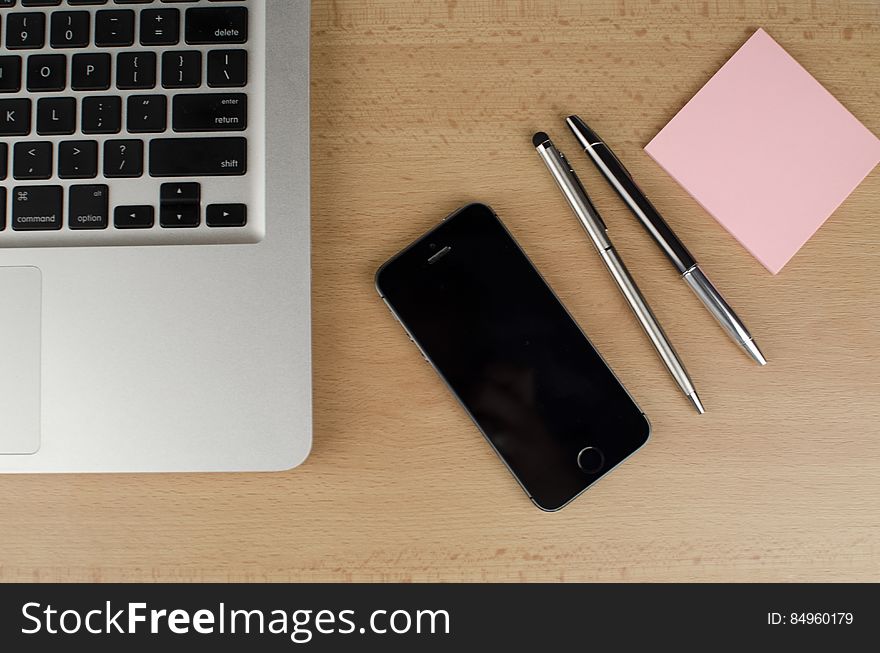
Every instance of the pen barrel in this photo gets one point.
(647, 319)
(618, 176)
(576, 195)
(714, 302)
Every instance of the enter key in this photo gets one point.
(209, 112)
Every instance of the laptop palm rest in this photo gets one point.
(20, 325)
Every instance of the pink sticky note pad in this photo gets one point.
(766, 150)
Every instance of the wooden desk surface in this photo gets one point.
(419, 107)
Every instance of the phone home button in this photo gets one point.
(591, 460)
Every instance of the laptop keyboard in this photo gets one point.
(131, 122)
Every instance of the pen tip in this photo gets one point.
(539, 138)
(695, 400)
(753, 351)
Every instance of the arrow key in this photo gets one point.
(133, 217)
(183, 193)
(179, 215)
(180, 204)
(78, 159)
(226, 215)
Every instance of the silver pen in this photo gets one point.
(620, 179)
(592, 223)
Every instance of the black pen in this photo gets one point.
(620, 179)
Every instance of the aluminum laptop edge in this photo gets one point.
(163, 358)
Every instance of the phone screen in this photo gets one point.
(510, 352)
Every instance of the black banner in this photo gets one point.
(328, 617)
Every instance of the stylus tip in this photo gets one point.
(539, 138)
(695, 400)
(753, 351)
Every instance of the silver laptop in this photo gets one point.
(154, 235)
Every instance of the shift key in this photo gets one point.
(198, 157)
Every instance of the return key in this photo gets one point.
(209, 112)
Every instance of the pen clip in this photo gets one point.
(586, 196)
(566, 162)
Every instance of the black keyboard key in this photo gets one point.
(32, 160)
(40, 3)
(88, 207)
(123, 158)
(101, 114)
(209, 112)
(147, 114)
(198, 157)
(25, 31)
(180, 205)
(160, 27)
(136, 70)
(78, 159)
(15, 117)
(37, 208)
(46, 72)
(226, 215)
(87, 2)
(4, 158)
(133, 217)
(182, 193)
(10, 74)
(90, 71)
(173, 216)
(70, 29)
(227, 68)
(114, 28)
(216, 25)
(56, 116)
(182, 69)
(2, 208)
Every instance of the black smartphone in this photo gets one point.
(486, 320)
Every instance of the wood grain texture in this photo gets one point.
(420, 106)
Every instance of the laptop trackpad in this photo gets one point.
(20, 325)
